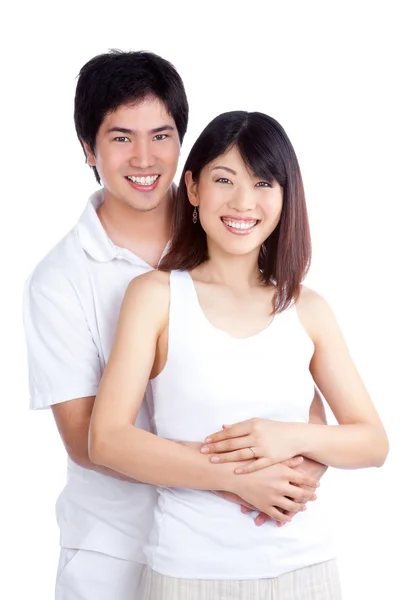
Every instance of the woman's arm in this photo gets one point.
(358, 441)
(116, 443)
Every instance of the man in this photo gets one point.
(131, 116)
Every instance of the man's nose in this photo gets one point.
(142, 156)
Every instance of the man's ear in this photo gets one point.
(191, 188)
(90, 157)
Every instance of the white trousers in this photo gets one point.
(84, 575)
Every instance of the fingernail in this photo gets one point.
(204, 450)
(238, 470)
(304, 508)
(208, 440)
(314, 497)
(215, 459)
(226, 426)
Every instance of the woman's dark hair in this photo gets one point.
(267, 151)
(118, 78)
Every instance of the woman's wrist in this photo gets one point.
(303, 437)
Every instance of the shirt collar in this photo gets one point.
(92, 236)
(94, 239)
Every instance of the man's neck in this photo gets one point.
(144, 233)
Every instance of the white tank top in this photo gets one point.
(211, 378)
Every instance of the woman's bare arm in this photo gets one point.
(359, 440)
(116, 443)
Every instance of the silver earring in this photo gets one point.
(194, 215)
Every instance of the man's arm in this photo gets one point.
(317, 410)
(63, 360)
(73, 420)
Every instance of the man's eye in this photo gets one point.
(223, 180)
(121, 139)
(160, 136)
(263, 184)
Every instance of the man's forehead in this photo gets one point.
(147, 114)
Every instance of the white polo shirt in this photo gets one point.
(71, 306)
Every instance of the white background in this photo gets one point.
(328, 71)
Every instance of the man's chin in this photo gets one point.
(148, 204)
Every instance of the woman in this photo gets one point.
(225, 332)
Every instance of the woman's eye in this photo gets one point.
(160, 137)
(223, 180)
(121, 139)
(263, 184)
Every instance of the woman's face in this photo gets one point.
(237, 210)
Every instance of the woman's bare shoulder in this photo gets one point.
(149, 290)
(310, 300)
(153, 280)
(314, 311)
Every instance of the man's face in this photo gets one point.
(136, 154)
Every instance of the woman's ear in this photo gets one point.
(191, 188)
(90, 157)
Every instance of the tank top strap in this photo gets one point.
(289, 318)
(183, 302)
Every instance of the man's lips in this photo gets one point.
(143, 182)
(145, 179)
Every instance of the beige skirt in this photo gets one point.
(318, 582)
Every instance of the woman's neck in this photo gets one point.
(236, 272)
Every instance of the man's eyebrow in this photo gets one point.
(162, 128)
(118, 129)
(225, 169)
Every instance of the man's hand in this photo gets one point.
(236, 500)
(307, 467)
(275, 489)
(195, 445)
(246, 507)
(311, 468)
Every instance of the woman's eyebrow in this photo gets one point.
(225, 169)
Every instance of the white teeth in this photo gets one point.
(240, 224)
(149, 180)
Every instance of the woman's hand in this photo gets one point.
(266, 442)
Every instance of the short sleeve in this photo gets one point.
(63, 359)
